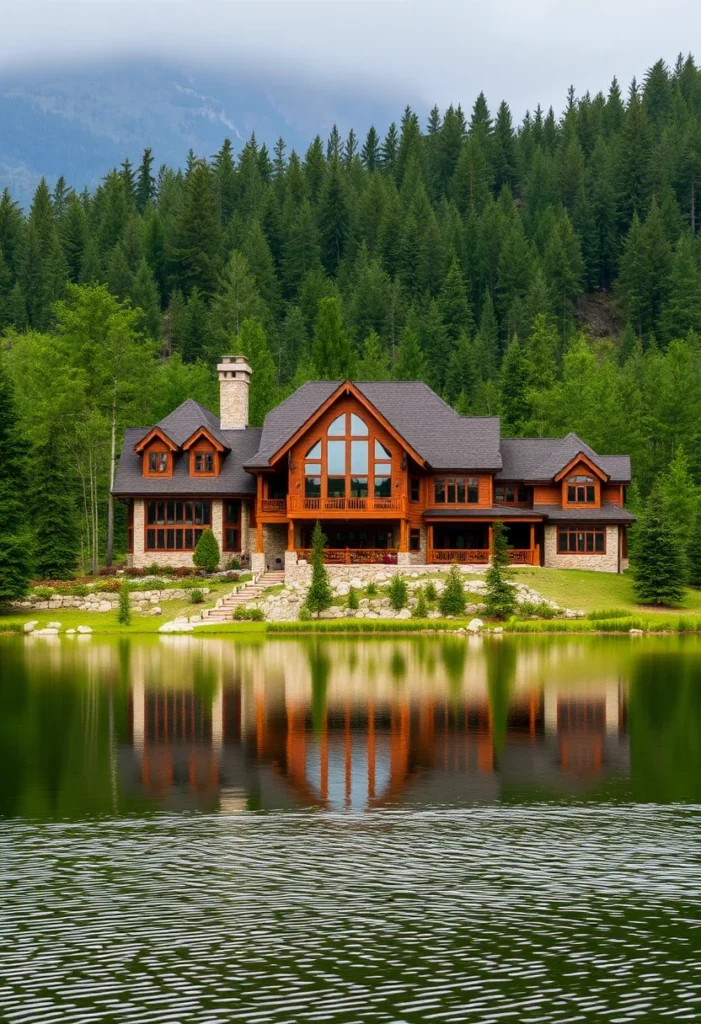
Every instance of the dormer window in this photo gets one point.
(581, 490)
(204, 452)
(157, 463)
(204, 462)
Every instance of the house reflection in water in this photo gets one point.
(358, 725)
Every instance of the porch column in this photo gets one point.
(490, 532)
(429, 542)
(291, 535)
(532, 544)
(402, 535)
(259, 491)
(259, 538)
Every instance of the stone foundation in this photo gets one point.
(378, 573)
(607, 562)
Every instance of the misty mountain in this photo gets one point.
(82, 122)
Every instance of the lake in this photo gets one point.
(350, 830)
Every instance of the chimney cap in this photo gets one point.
(240, 358)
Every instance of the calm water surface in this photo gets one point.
(392, 830)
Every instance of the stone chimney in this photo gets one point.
(234, 382)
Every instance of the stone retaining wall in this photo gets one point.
(378, 573)
(107, 602)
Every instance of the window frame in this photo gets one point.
(361, 477)
(200, 451)
(456, 490)
(581, 489)
(157, 450)
(577, 531)
(231, 524)
(162, 524)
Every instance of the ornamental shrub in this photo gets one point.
(124, 612)
(453, 597)
(207, 553)
(197, 597)
(398, 592)
(248, 614)
(353, 602)
(501, 595)
(319, 596)
(420, 608)
(430, 591)
(371, 589)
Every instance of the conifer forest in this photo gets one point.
(547, 271)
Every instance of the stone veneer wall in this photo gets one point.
(601, 563)
(274, 544)
(295, 573)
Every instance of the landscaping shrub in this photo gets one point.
(124, 611)
(353, 602)
(248, 614)
(108, 587)
(319, 595)
(207, 552)
(107, 570)
(197, 597)
(420, 608)
(501, 596)
(79, 590)
(540, 608)
(233, 563)
(371, 589)
(398, 592)
(304, 614)
(430, 591)
(136, 572)
(453, 597)
(44, 593)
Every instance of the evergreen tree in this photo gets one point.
(334, 219)
(319, 595)
(515, 409)
(681, 311)
(370, 153)
(453, 305)
(398, 592)
(15, 552)
(679, 497)
(52, 509)
(145, 188)
(195, 257)
(694, 551)
(263, 389)
(331, 350)
(373, 363)
(452, 600)
(501, 595)
(411, 364)
(206, 554)
(124, 611)
(657, 562)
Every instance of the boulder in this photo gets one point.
(156, 610)
(84, 629)
(45, 632)
(104, 606)
(498, 629)
(636, 632)
(475, 625)
(53, 625)
(70, 632)
(403, 613)
(29, 627)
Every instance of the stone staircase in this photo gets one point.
(249, 591)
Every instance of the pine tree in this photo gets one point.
(462, 375)
(411, 364)
(657, 558)
(679, 497)
(195, 258)
(263, 389)
(301, 250)
(681, 311)
(334, 218)
(206, 554)
(515, 408)
(145, 188)
(398, 592)
(453, 305)
(452, 600)
(501, 595)
(319, 595)
(331, 350)
(389, 150)
(420, 610)
(52, 509)
(370, 153)
(15, 550)
(124, 611)
(694, 551)
(373, 363)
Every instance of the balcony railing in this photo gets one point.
(353, 556)
(296, 503)
(480, 556)
(273, 505)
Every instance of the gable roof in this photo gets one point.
(428, 425)
(232, 479)
(181, 423)
(542, 458)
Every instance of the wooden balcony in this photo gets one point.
(273, 505)
(480, 556)
(313, 507)
(353, 556)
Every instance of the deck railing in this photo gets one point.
(480, 556)
(296, 503)
(273, 505)
(353, 556)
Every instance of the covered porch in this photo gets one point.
(349, 543)
(469, 542)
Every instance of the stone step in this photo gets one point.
(248, 592)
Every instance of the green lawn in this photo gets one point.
(591, 591)
(100, 622)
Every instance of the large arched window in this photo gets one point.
(348, 463)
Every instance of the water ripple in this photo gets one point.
(486, 915)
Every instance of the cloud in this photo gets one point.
(525, 51)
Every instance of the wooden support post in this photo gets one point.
(532, 544)
(429, 542)
(489, 542)
(259, 538)
(402, 535)
(291, 535)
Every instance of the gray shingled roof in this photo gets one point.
(501, 511)
(181, 423)
(608, 513)
(233, 478)
(542, 458)
(441, 437)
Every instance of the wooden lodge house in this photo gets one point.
(393, 474)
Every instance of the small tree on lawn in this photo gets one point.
(501, 596)
(207, 552)
(353, 602)
(420, 608)
(658, 566)
(453, 597)
(693, 554)
(124, 613)
(319, 595)
(398, 593)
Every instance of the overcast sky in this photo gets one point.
(522, 50)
